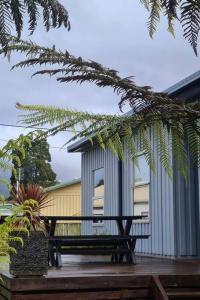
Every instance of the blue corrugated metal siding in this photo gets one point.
(161, 224)
(91, 160)
(198, 219)
(186, 211)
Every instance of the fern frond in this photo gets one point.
(145, 3)
(190, 20)
(186, 12)
(12, 12)
(179, 148)
(154, 17)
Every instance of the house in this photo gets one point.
(65, 200)
(172, 206)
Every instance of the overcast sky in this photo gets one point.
(113, 33)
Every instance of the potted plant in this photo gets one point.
(31, 258)
(7, 232)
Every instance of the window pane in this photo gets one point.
(142, 173)
(99, 183)
(141, 193)
(141, 187)
(141, 200)
(98, 193)
(141, 209)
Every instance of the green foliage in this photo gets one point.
(154, 16)
(16, 222)
(12, 14)
(113, 132)
(35, 167)
(14, 151)
(32, 198)
(150, 110)
(187, 12)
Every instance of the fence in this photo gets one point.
(68, 229)
(64, 203)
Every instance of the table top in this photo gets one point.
(91, 218)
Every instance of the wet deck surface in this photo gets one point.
(95, 278)
(99, 265)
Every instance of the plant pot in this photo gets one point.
(31, 259)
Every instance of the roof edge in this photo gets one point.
(76, 147)
(62, 185)
(183, 83)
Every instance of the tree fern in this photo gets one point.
(115, 131)
(148, 108)
(187, 12)
(190, 19)
(154, 16)
(12, 13)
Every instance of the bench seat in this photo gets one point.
(118, 246)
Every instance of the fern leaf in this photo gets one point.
(154, 16)
(190, 20)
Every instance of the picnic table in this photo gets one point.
(119, 246)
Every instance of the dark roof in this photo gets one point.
(62, 185)
(189, 87)
(183, 84)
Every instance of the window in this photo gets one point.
(141, 191)
(98, 193)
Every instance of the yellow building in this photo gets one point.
(65, 200)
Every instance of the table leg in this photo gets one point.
(127, 228)
(58, 256)
(52, 228)
(132, 252)
(120, 227)
(52, 259)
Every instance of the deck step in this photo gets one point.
(184, 294)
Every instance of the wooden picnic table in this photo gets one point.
(124, 223)
(119, 246)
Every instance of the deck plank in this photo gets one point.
(100, 279)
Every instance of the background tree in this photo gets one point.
(35, 167)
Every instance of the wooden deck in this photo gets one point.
(95, 278)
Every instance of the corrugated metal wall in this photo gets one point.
(161, 222)
(91, 160)
(186, 202)
(198, 220)
(65, 201)
(174, 207)
(161, 225)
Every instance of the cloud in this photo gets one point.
(113, 33)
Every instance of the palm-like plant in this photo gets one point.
(16, 221)
(19, 212)
(37, 199)
(12, 12)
